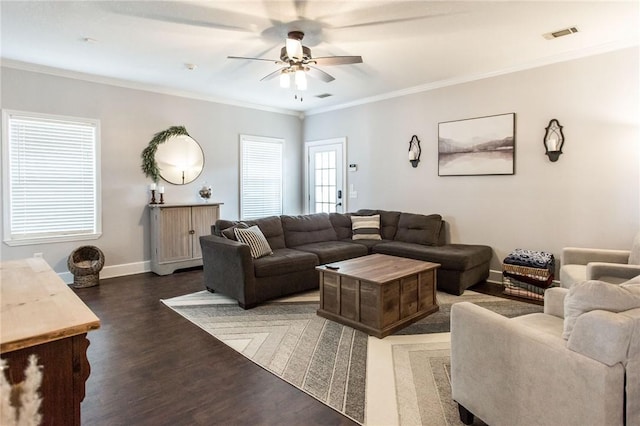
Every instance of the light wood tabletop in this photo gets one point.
(37, 307)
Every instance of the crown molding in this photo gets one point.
(128, 84)
(569, 56)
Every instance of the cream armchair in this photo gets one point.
(521, 371)
(613, 266)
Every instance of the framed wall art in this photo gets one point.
(477, 146)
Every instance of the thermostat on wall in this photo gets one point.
(353, 167)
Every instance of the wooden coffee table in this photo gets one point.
(378, 294)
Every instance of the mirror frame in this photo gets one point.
(150, 165)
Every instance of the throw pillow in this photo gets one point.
(366, 227)
(597, 295)
(229, 232)
(253, 236)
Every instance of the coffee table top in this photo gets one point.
(379, 268)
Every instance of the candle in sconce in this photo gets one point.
(161, 189)
(152, 186)
(412, 155)
(554, 143)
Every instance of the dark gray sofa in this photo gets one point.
(300, 243)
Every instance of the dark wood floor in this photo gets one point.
(150, 366)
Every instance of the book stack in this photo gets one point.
(528, 273)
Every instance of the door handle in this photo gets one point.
(338, 204)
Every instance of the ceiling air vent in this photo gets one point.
(324, 95)
(560, 33)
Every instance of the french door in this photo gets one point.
(325, 176)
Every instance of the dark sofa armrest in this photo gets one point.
(228, 269)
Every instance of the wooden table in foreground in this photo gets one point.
(378, 294)
(41, 315)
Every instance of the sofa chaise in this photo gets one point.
(300, 243)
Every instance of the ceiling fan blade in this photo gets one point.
(337, 60)
(320, 75)
(275, 61)
(272, 75)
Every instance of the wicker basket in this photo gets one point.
(85, 263)
(538, 273)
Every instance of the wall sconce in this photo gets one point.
(553, 140)
(414, 151)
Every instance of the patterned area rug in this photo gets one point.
(344, 368)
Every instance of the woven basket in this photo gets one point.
(85, 263)
(539, 273)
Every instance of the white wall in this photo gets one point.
(590, 197)
(129, 118)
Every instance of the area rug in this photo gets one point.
(402, 379)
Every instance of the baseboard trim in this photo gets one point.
(113, 271)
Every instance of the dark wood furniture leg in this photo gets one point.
(466, 416)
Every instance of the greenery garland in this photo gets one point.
(149, 164)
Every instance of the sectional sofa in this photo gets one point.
(300, 243)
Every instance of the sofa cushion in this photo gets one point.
(366, 227)
(229, 233)
(334, 251)
(594, 295)
(284, 261)
(307, 229)
(388, 221)
(419, 229)
(456, 257)
(271, 227)
(341, 223)
(258, 245)
(369, 244)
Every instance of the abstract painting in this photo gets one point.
(477, 146)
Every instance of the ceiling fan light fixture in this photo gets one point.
(285, 80)
(301, 79)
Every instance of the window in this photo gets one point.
(51, 178)
(260, 177)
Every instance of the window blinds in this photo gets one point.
(261, 177)
(52, 174)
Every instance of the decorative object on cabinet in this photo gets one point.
(477, 146)
(85, 263)
(175, 234)
(161, 191)
(553, 140)
(414, 151)
(40, 315)
(152, 188)
(174, 156)
(205, 192)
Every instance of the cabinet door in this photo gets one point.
(202, 218)
(174, 238)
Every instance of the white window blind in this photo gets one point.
(260, 177)
(51, 178)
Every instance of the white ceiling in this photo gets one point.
(406, 46)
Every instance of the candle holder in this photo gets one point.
(161, 198)
(153, 196)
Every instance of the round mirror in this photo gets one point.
(180, 159)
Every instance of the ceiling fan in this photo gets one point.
(296, 61)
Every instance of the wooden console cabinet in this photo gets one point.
(41, 315)
(175, 234)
